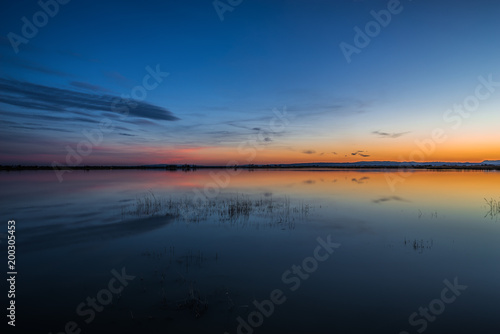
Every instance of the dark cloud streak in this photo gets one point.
(390, 135)
(40, 97)
(360, 153)
(309, 151)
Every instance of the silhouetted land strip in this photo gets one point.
(253, 167)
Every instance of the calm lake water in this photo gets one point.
(269, 251)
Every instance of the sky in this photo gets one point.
(248, 81)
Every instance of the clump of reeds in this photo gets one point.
(233, 210)
(493, 207)
(148, 204)
(194, 303)
(419, 245)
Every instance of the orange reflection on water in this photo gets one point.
(449, 188)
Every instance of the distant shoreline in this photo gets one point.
(253, 167)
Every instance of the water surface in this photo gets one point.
(396, 247)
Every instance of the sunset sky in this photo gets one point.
(258, 81)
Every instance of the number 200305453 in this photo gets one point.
(11, 227)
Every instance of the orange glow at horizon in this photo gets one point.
(453, 150)
(223, 156)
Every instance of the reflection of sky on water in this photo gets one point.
(396, 249)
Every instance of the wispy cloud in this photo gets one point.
(119, 79)
(48, 117)
(32, 66)
(40, 97)
(38, 128)
(360, 153)
(309, 151)
(88, 86)
(390, 135)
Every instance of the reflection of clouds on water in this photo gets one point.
(361, 180)
(232, 248)
(54, 236)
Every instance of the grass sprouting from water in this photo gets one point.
(239, 208)
(493, 207)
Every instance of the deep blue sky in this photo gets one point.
(225, 78)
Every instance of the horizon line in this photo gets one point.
(379, 163)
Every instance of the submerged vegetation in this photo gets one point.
(239, 208)
(194, 302)
(419, 245)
